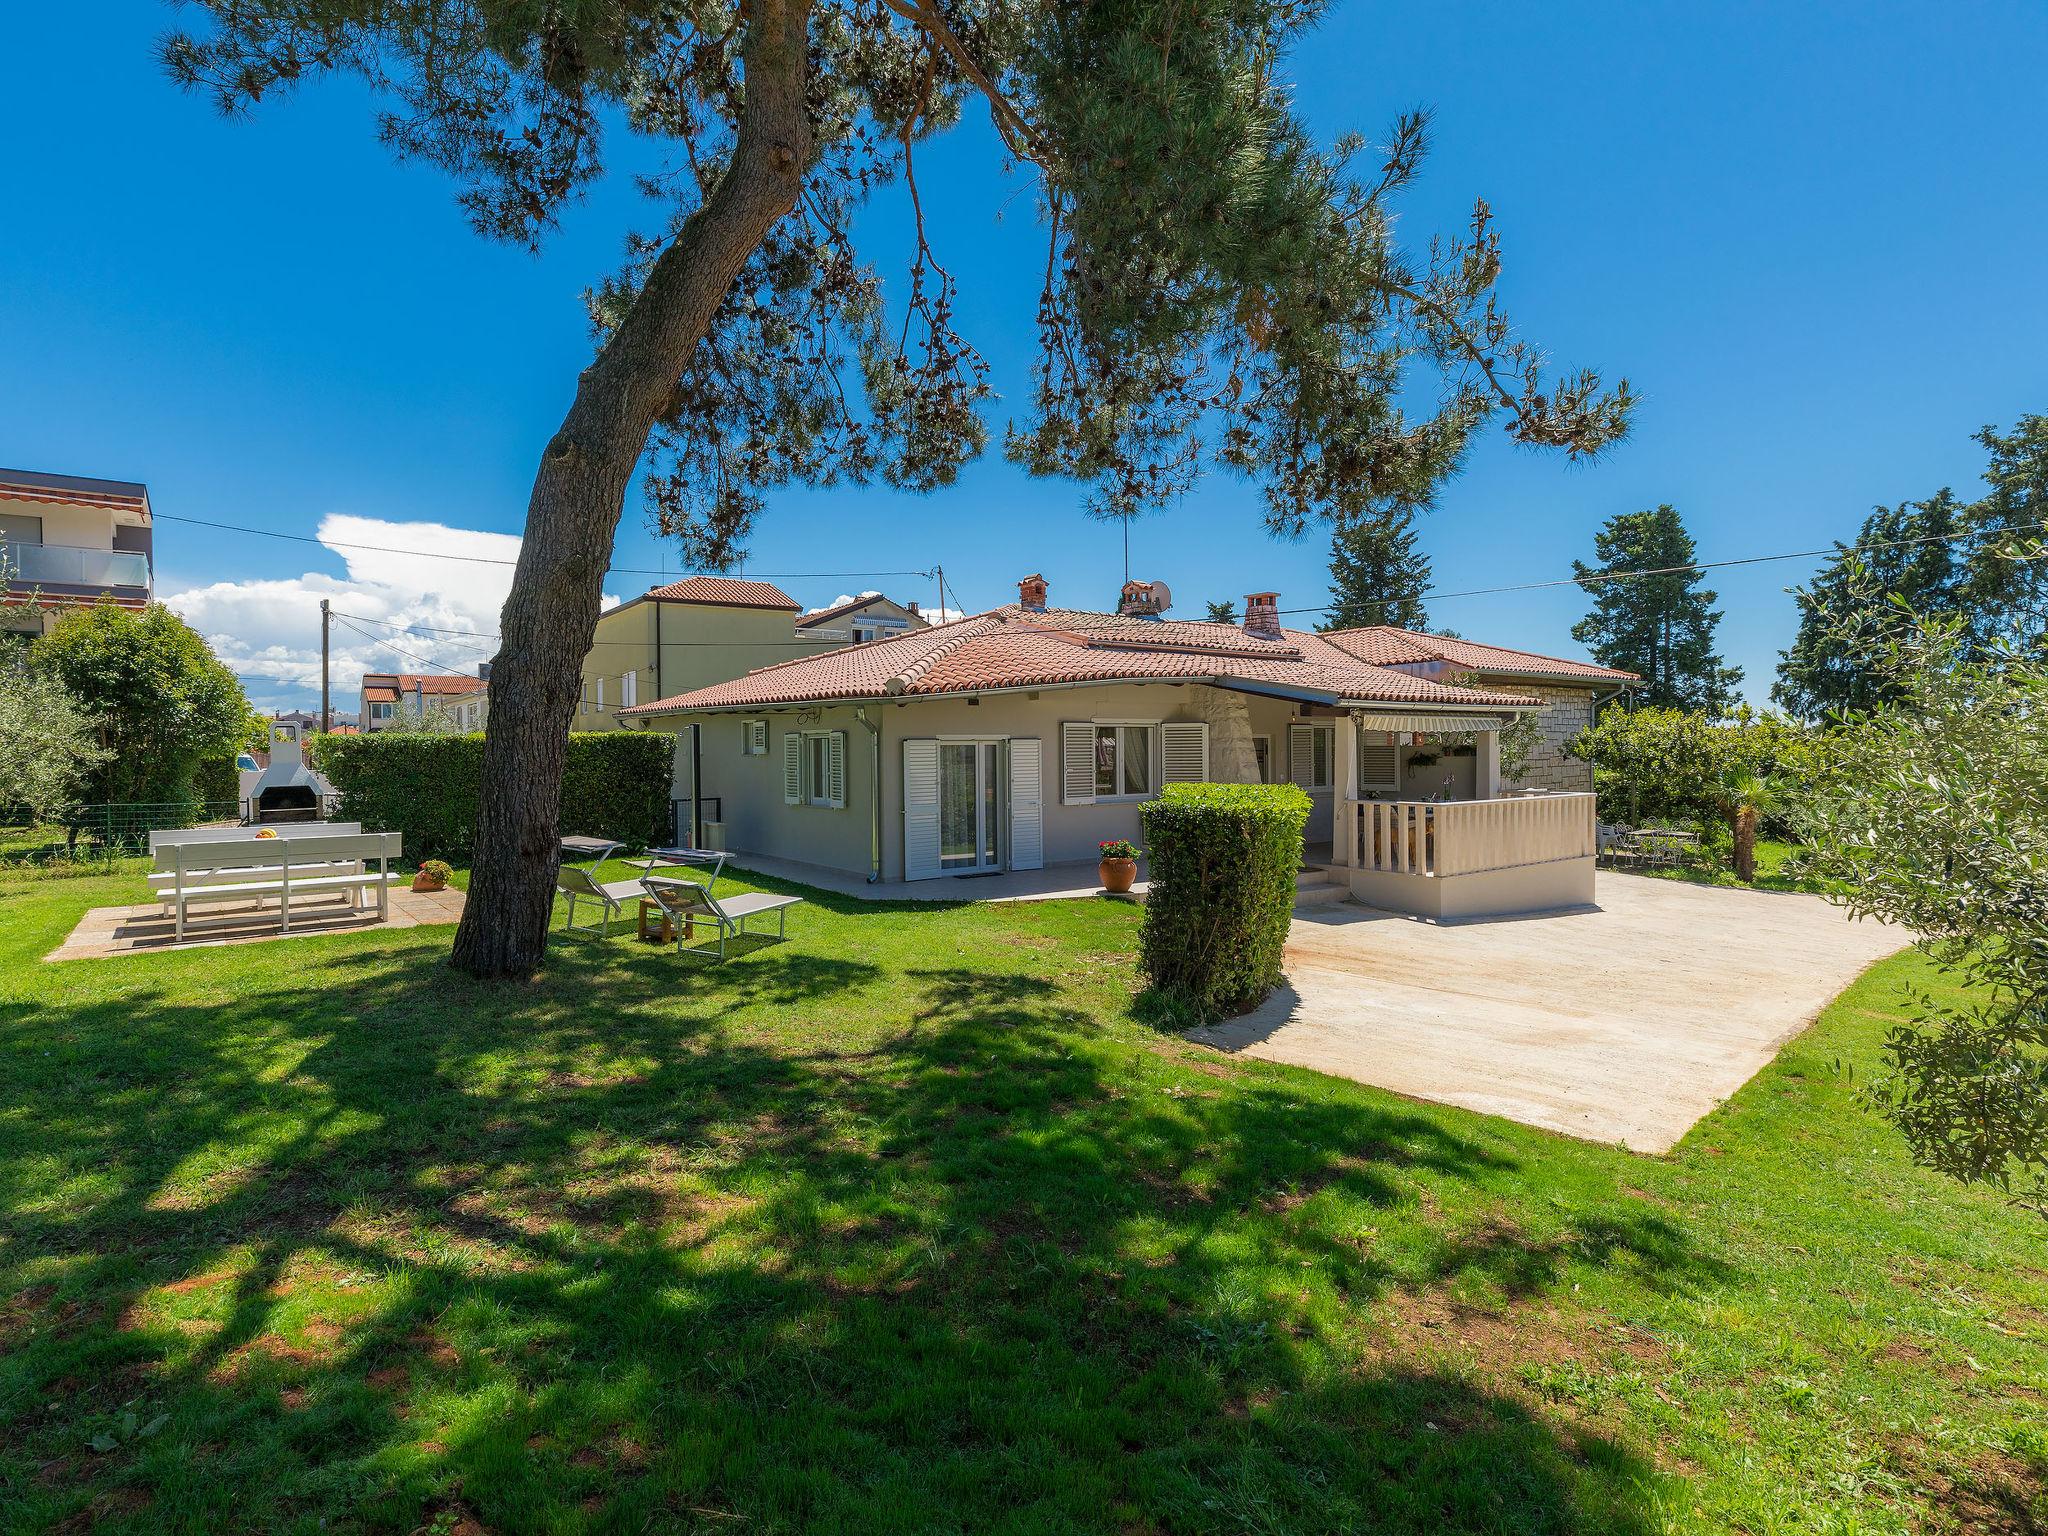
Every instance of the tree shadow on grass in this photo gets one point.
(382, 1245)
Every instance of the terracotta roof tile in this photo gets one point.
(1015, 647)
(1384, 645)
(432, 684)
(725, 592)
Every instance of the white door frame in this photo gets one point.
(988, 775)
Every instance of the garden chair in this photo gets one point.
(579, 884)
(686, 901)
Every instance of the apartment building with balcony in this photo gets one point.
(70, 539)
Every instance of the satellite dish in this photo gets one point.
(1162, 596)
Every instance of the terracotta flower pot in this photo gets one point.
(428, 883)
(1118, 875)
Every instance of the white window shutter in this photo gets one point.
(600, 695)
(835, 770)
(629, 690)
(792, 768)
(1301, 754)
(1077, 762)
(1027, 820)
(1379, 762)
(921, 810)
(1184, 752)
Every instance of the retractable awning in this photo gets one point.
(1436, 724)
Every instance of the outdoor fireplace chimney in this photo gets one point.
(1262, 615)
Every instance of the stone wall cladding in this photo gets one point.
(1567, 712)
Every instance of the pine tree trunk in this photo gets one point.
(573, 513)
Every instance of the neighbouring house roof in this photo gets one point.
(74, 491)
(1385, 646)
(841, 610)
(388, 687)
(725, 592)
(1016, 647)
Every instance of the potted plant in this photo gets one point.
(1119, 864)
(433, 876)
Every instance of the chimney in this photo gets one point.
(1031, 592)
(911, 605)
(1262, 614)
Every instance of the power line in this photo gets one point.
(434, 554)
(1713, 565)
(394, 646)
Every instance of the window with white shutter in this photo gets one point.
(629, 690)
(792, 768)
(599, 704)
(1027, 823)
(1184, 752)
(921, 810)
(1077, 762)
(1379, 761)
(1309, 752)
(835, 770)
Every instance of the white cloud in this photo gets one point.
(841, 601)
(268, 631)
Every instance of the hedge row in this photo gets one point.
(1223, 862)
(614, 784)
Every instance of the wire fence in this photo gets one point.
(126, 825)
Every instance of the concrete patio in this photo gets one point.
(1055, 882)
(1623, 1022)
(146, 928)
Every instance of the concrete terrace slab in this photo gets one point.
(1625, 1022)
(148, 929)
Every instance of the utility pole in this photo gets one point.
(942, 592)
(326, 705)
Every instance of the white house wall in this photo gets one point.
(757, 821)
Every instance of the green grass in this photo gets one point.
(909, 1226)
(1777, 869)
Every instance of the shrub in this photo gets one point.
(1669, 765)
(1224, 861)
(615, 784)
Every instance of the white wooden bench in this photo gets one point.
(280, 869)
(161, 844)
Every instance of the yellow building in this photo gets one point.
(711, 629)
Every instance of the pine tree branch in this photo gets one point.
(1019, 137)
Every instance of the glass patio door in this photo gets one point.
(970, 795)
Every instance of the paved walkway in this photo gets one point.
(148, 928)
(1623, 1023)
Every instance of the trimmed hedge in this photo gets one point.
(1224, 858)
(614, 784)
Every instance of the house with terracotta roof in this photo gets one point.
(1027, 735)
(857, 620)
(67, 540)
(1572, 691)
(700, 630)
(389, 697)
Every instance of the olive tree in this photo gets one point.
(48, 742)
(1935, 816)
(1219, 288)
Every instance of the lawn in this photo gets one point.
(909, 1225)
(1777, 868)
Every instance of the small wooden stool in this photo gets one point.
(649, 906)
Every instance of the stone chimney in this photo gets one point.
(1031, 591)
(911, 606)
(1262, 615)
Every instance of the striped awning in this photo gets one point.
(1434, 724)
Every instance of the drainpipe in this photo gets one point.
(860, 713)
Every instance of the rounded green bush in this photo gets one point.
(1224, 861)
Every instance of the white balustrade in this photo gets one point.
(1463, 837)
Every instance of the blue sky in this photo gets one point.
(1810, 234)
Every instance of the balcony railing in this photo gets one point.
(63, 565)
(1463, 837)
